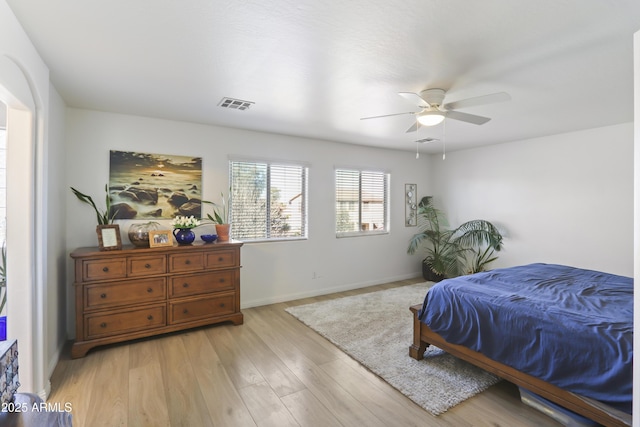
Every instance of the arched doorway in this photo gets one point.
(3, 220)
(24, 293)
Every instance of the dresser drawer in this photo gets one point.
(120, 322)
(146, 266)
(186, 262)
(124, 293)
(222, 259)
(102, 269)
(202, 283)
(203, 307)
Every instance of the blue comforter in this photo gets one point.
(570, 327)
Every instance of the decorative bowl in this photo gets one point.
(139, 233)
(209, 238)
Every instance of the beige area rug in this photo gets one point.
(376, 330)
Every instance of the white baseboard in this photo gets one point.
(53, 362)
(44, 394)
(323, 291)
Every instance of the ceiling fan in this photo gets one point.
(434, 112)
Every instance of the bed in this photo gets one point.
(563, 333)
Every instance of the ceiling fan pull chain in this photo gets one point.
(417, 143)
(444, 140)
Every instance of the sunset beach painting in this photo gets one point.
(154, 186)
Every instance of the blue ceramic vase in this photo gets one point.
(184, 236)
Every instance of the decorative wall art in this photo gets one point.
(410, 205)
(147, 186)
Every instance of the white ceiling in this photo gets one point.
(313, 68)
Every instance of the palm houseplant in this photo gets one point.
(466, 249)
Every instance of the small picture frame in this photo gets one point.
(159, 238)
(109, 237)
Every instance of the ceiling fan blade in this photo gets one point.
(386, 115)
(478, 100)
(414, 127)
(466, 117)
(414, 98)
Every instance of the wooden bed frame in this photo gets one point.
(423, 336)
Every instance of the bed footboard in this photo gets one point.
(417, 349)
(423, 336)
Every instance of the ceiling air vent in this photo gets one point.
(235, 104)
(427, 140)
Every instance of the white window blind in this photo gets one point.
(361, 202)
(269, 201)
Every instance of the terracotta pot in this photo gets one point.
(223, 232)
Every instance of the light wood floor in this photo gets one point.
(271, 371)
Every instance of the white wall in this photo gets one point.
(274, 271)
(562, 199)
(565, 199)
(54, 199)
(24, 87)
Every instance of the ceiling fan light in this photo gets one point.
(431, 118)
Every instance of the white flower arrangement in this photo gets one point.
(185, 222)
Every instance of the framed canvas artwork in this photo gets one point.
(154, 186)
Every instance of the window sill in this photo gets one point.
(361, 234)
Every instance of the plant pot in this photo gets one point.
(223, 232)
(429, 275)
(184, 236)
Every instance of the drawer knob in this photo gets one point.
(188, 262)
(149, 317)
(103, 325)
(185, 285)
(221, 304)
(103, 296)
(185, 311)
(147, 265)
(105, 269)
(221, 280)
(220, 259)
(149, 290)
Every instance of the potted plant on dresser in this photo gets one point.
(104, 217)
(108, 233)
(221, 217)
(183, 229)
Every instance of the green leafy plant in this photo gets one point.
(104, 217)
(452, 252)
(220, 211)
(480, 260)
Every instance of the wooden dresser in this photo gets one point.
(140, 292)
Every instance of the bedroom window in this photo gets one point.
(269, 201)
(361, 202)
